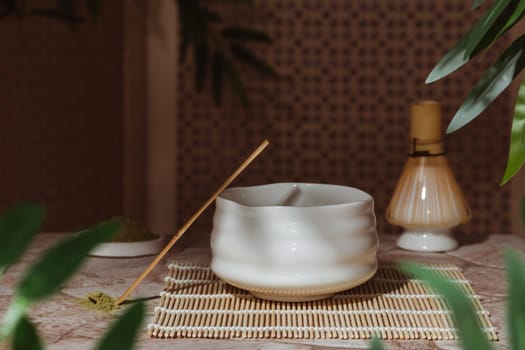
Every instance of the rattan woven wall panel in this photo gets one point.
(340, 113)
(61, 113)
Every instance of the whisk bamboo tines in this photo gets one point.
(192, 219)
(427, 195)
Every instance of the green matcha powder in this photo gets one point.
(100, 301)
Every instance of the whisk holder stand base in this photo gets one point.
(427, 240)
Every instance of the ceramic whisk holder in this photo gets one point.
(427, 201)
(294, 241)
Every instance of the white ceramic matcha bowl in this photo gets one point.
(294, 241)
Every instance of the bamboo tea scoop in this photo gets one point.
(192, 219)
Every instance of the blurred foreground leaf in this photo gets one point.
(26, 336)
(470, 330)
(123, 333)
(61, 261)
(376, 344)
(56, 265)
(18, 225)
(516, 303)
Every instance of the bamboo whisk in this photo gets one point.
(427, 200)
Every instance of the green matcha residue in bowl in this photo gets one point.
(100, 301)
(133, 231)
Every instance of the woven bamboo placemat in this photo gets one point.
(196, 304)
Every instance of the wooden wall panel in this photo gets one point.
(61, 117)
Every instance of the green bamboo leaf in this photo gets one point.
(451, 61)
(94, 7)
(516, 303)
(517, 14)
(376, 344)
(245, 34)
(496, 79)
(217, 78)
(252, 60)
(60, 262)
(517, 137)
(476, 4)
(122, 333)
(202, 56)
(235, 80)
(18, 226)
(473, 42)
(494, 20)
(26, 336)
(468, 325)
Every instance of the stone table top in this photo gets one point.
(65, 324)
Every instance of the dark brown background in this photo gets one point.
(338, 115)
(61, 117)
